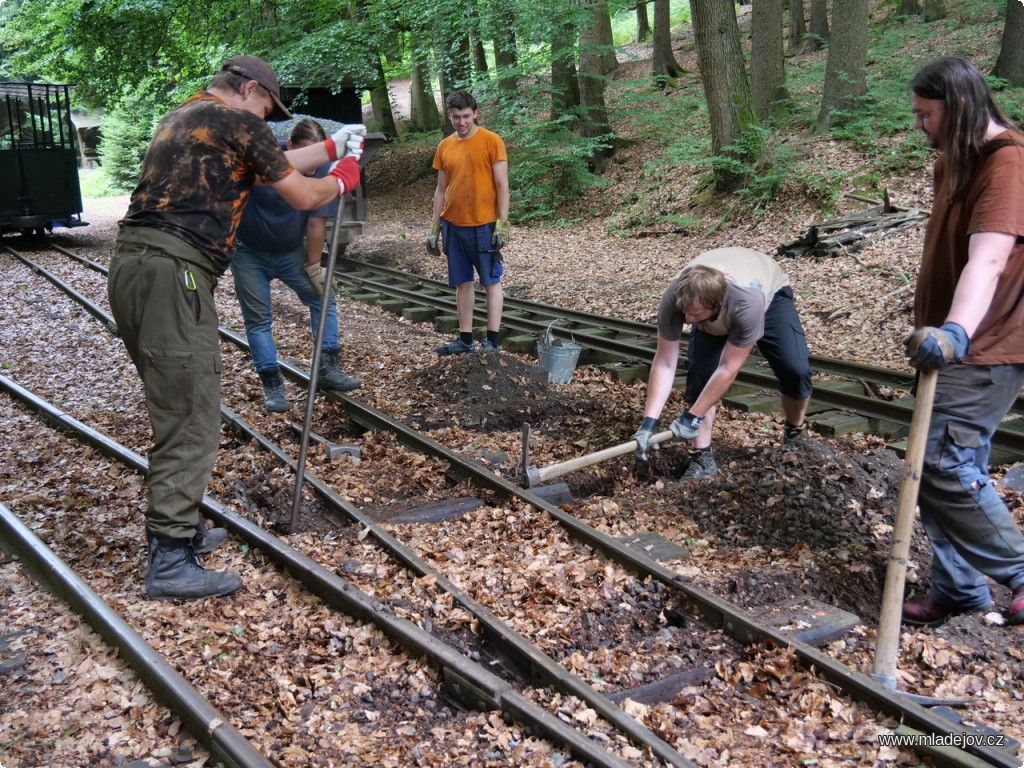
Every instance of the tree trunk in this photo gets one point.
(479, 57)
(594, 122)
(909, 8)
(505, 59)
(817, 37)
(565, 87)
(726, 88)
(380, 100)
(603, 37)
(453, 72)
(643, 24)
(845, 79)
(934, 10)
(767, 57)
(1010, 64)
(423, 114)
(663, 61)
(797, 27)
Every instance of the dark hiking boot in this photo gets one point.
(208, 539)
(791, 434)
(455, 347)
(330, 376)
(488, 346)
(1017, 606)
(925, 612)
(175, 573)
(702, 465)
(273, 390)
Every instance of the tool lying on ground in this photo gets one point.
(534, 476)
(332, 451)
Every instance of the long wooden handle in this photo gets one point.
(539, 476)
(888, 639)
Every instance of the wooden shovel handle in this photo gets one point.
(891, 614)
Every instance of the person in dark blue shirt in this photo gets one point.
(277, 241)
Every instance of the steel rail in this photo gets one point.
(514, 644)
(527, 654)
(474, 680)
(636, 340)
(735, 622)
(209, 726)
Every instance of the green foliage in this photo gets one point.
(127, 130)
(757, 165)
(550, 168)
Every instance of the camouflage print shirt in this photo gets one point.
(204, 159)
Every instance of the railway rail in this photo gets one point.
(844, 399)
(524, 659)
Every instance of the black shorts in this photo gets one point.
(783, 346)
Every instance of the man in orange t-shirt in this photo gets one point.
(470, 215)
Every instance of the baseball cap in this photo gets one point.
(258, 70)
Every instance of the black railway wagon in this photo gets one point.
(39, 187)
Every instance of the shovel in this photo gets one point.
(888, 639)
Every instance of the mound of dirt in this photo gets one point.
(486, 390)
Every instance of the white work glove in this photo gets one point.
(343, 140)
(316, 277)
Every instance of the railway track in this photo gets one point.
(846, 396)
(528, 658)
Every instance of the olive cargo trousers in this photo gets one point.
(161, 294)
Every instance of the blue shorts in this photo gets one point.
(783, 346)
(469, 248)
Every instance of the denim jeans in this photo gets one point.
(971, 531)
(253, 270)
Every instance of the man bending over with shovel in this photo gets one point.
(969, 311)
(734, 298)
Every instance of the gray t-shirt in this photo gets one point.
(752, 280)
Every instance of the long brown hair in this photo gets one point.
(968, 103)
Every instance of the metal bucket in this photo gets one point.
(557, 356)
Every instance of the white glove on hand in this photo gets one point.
(354, 145)
(316, 277)
(339, 142)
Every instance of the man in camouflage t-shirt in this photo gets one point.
(175, 241)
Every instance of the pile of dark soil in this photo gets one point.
(489, 391)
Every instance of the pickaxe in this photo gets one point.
(537, 476)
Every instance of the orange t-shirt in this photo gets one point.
(470, 197)
(994, 202)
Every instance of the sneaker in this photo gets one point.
(455, 347)
(1017, 606)
(925, 612)
(486, 346)
(791, 434)
(702, 465)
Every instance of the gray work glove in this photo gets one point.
(316, 277)
(686, 425)
(432, 245)
(643, 439)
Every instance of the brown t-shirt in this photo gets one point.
(204, 159)
(994, 203)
